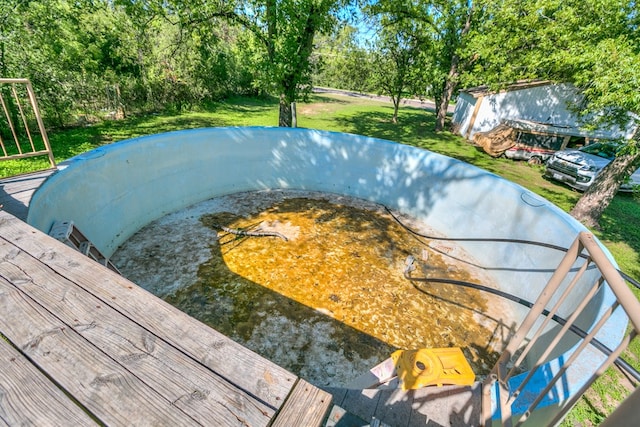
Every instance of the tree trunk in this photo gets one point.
(449, 86)
(3, 66)
(396, 106)
(284, 117)
(595, 200)
(452, 78)
(294, 115)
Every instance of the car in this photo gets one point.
(579, 168)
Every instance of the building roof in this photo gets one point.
(483, 90)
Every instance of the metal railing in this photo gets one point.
(513, 358)
(21, 123)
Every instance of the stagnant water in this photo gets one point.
(325, 295)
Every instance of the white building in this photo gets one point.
(538, 107)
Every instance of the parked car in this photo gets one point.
(578, 168)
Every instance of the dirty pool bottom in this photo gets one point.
(323, 293)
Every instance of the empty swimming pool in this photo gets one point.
(114, 191)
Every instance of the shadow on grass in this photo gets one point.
(411, 127)
(325, 99)
(74, 141)
(415, 127)
(253, 105)
(615, 226)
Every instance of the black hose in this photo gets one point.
(476, 239)
(629, 279)
(501, 240)
(621, 363)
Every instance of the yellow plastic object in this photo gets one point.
(432, 366)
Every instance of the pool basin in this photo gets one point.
(113, 191)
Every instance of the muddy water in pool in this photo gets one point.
(314, 282)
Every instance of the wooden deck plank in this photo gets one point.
(246, 370)
(394, 407)
(16, 192)
(112, 395)
(182, 381)
(456, 406)
(306, 406)
(362, 403)
(28, 397)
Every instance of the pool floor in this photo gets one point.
(314, 282)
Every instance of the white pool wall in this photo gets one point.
(113, 191)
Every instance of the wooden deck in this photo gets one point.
(16, 192)
(81, 345)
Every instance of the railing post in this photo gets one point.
(43, 131)
(31, 99)
(609, 276)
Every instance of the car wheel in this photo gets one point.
(535, 160)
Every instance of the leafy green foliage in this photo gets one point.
(104, 57)
(283, 34)
(343, 62)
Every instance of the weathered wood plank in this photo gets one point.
(394, 407)
(306, 406)
(16, 192)
(111, 394)
(250, 372)
(202, 394)
(447, 405)
(27, 397)
(362, 403)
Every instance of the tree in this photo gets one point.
(609, 78)
(594, 44)
(397, 58)
(285, 30)
(70, 50)
(451, 23)
(346, 63)
(443, 27)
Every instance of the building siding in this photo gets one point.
(463, 112)
(549, 104)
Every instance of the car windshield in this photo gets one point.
(608, 151)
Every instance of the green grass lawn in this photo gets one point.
(619, 225)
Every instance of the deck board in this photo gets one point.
(78, 367)
(201, 393)
(306, 404)
(121, 353)
(456, 406)
(23, 387)
(16, 192)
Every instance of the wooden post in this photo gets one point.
(476, 109)
(294, 116)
